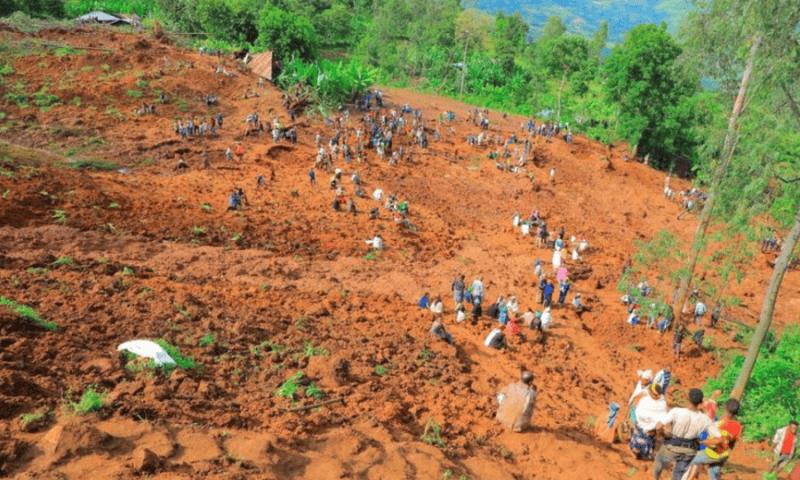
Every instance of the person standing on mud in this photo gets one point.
(516, 403)
(458, 289)
(477, 290)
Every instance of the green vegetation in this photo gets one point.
(380, 370)
(432, 434)
(309, 350)
(96, 164)
(91, 401)
(134, 93)
(185, 363)
(206, 339)
(64, 261)
(290, 386)
(331, 83)
(770, 400)
(28, 313)
(27, 418)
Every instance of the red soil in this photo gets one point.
(297, 275)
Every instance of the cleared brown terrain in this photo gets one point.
(289, 274)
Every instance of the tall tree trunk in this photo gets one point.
(766, 312)
(727, 154)
(464, 67)
(561, 89)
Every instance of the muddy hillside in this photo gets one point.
(282, 304)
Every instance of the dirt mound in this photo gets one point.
(282, 305)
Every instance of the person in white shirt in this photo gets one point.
(437, 307)
(645, 379)
(650, 409)
(547, 319)
(460, 314)
(376, 242)
(699, 313)
(513, 305)
(681, 440)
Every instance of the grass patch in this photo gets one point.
(90, 401)
(134, 94)
(45, 100)
(27, 418)
(206, 339)
(28, 313)
(309, 350)
(380, 370)
(290, 387)
(64, 261)
(93, 164)
(19, 99)
(184, 362)
(60, 216)
(113, 112)
(314, 391)
(432, 435)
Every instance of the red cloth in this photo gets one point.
(512, 327)
(788, 440)
(795, 475)
(731, 430)
(710, 406)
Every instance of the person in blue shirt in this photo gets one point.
(548, 294)
(424, 301)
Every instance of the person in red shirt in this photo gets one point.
(715, 450)
(785, 443)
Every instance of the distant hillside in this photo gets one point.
(584, 16)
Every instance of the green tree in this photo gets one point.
(335, 26)
(33, 8)
(234, 21)
(554, 28)
(180, 15)
(565, 58)
(598, 43)
(643, 79)
(473, 28)
(286, 35)
(509, 39)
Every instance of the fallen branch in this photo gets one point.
(314, 405)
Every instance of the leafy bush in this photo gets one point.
(143, 8)
(330, 82)
(770, 398)
(288, 35)
(290, 387)
(20, 99)
(28, 313)
(90, 401)
(94, 164)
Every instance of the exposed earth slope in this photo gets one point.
(289, 285)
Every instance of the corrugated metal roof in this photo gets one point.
(261, 64)
(101, 17)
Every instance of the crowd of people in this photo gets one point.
(694, 438)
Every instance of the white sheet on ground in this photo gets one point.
(146, 348)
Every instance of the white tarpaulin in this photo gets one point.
(146, 348)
